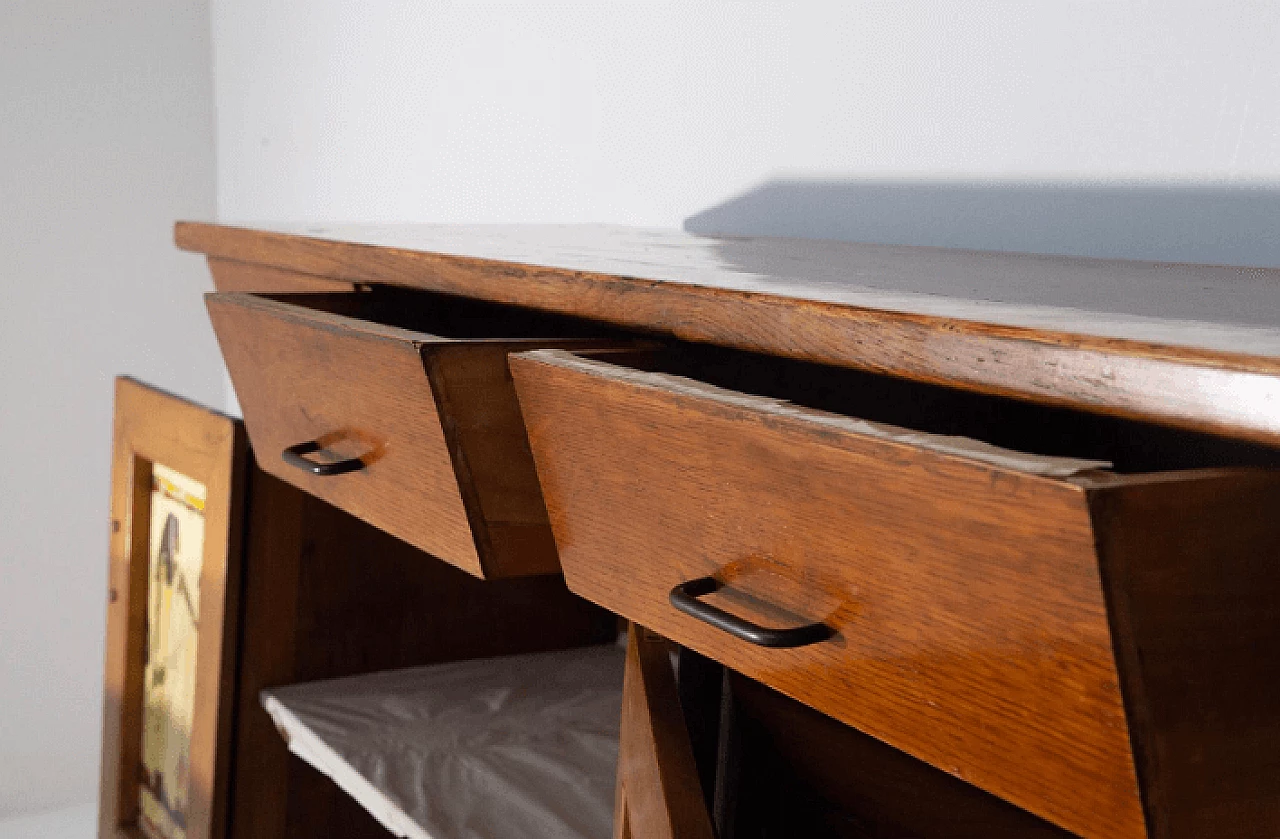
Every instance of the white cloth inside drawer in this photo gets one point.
(512, 746)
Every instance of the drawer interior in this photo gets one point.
(1133, 447)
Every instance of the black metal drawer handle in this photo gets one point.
(296, 456)
(685, 598)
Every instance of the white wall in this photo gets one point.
(76, 822)
(106, 137)
(1074, 127)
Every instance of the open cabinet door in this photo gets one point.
(659, 793)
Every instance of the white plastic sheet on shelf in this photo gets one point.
(502, 747)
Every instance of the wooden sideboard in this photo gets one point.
(945, 543)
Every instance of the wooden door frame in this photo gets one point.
(152, 427)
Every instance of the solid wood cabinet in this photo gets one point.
(906, 548)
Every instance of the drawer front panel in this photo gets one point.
(969, 623)
(303, 376)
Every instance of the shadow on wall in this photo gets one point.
(1168, 223)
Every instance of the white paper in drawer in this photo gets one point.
(502, 747)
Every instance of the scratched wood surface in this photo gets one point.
(1191, 569)
(1189, 345)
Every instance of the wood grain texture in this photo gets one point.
(659, 795)
(447, 465)
(1192, 569)
(971, 629)
(326, 596)
(155, 427)
(491, 456)
(232, 276)
(274, 555)
(300, 376)
(1192, 346)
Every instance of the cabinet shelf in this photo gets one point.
(515, 745)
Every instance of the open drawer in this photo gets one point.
(398, 407)
(1080, 641)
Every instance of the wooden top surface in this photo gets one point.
(1192, 345)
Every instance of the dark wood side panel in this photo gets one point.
(1193, 575)
(327, 595)
(970, 625)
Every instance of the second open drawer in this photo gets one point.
(1002, 616)
(398, 407)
